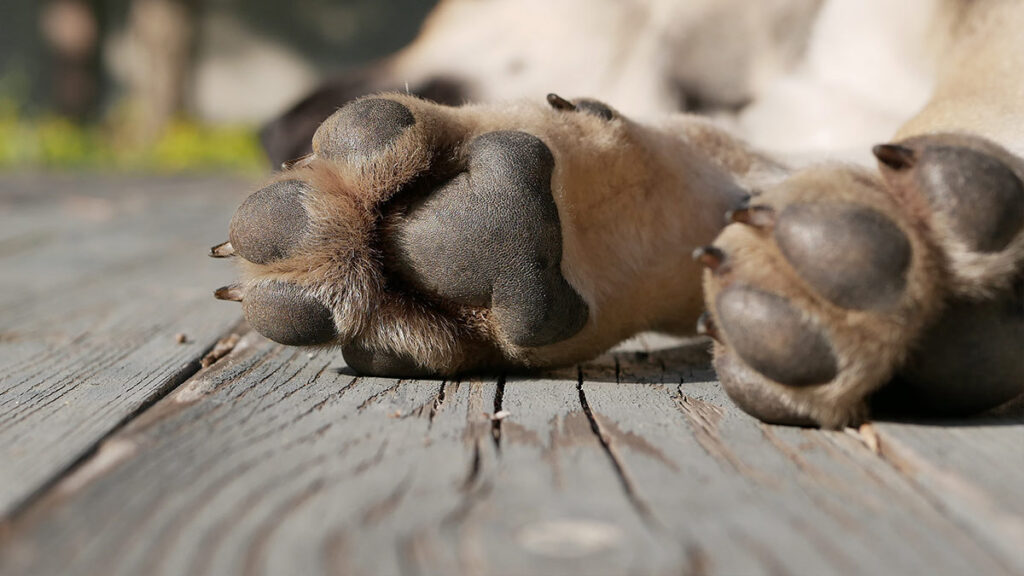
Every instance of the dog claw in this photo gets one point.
(559, 103)
(895, 156)
(300, 162)
(232, 293)
(710, 256)
(222, 250)
(706, 326)
(756, 216)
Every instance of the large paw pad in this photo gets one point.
(490, 237)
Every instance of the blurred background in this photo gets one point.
(173, 85)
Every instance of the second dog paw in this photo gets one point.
(829, 285)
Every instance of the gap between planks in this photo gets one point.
(179, 380)
(901, 458)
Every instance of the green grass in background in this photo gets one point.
(47, 142)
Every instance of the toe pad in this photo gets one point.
(285, 314)
(852, 255)
(271, 222)
(983, 198)
(363, 128)
(771, 337)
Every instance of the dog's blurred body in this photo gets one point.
(800, 77)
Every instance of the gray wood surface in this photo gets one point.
(276, 460)
(97, 276)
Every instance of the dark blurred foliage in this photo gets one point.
(61, 104)
(330, 34)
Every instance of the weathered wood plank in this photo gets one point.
(744, 497)
(274, 460)
(555, 502)
(279, 460)
(972, 470)
(97, 276)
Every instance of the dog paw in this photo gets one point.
(970, 196)
(825, 288)
(419, 239)
(425, 239)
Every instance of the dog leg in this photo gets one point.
(425, 239)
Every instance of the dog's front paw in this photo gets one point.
(420, 239)
(824, 288)
(425, 239)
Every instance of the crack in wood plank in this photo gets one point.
(103, 361)
(378, 395)
(473, 475)
(499, 394)
(178, 378)
(327, 399)
(641, 507)
(437, 404)
(220, 349)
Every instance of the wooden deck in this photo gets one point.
(120, 453)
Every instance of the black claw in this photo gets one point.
(895, 156)
(706, 326)
(710, 256)
(756, 216)
(222, 250)
(232, 293)
(559, 103)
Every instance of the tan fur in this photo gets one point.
(980, 81)
(635, 199)
(624, 192)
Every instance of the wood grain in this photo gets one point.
(973, 471)
(751, 498)
(275, 460)
(121, 456)
(280, 460)
(96, 278)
